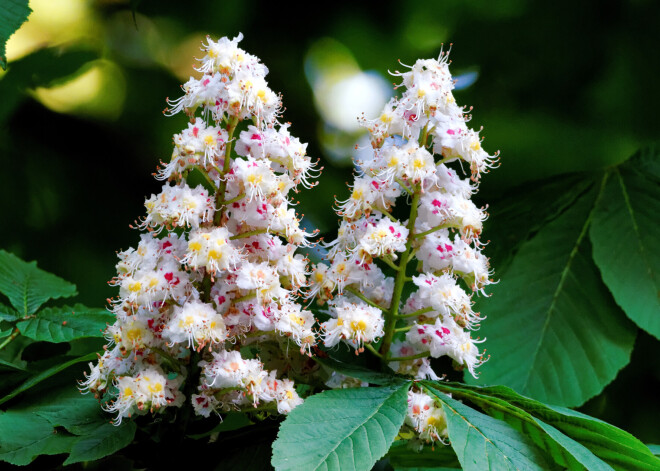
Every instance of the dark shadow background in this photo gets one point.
(561, 86)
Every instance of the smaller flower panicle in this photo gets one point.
(218, 268)
(414, 143)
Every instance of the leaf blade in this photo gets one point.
(557, 336)
(28, 287)
(13, 14)
(102, 442)
(624, 235)
(63, 324)
(342, 427)
(503, 447)
(610, 444)
(39, 377)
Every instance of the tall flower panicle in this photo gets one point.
(420, 144)
(217, 267)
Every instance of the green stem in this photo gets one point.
(412, 357)
(233, 200)
(9, 339)
(404, 329)
(220, 195)
(390, 263)
(244, 298)
(365, 299)
(243, 235)
(384, 212)
(169, 359)
(206, 176)
(400, 280)
(369, 347)
(432, 230)
(424, 136)
(404, 185)
(415, 314)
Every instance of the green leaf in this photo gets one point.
(565, 451)
(7, 365)
(347, 429)
(355, 371)
(39, 377)
(436, 457)
(28, 287)
(483, 443)
(67, 407)
(625, 234)
(553, 330)
(24, 436)
(513, 220)
(63, 324)
(655, 449)
(12, 15)
(104, 441)
(8, 313)
(612, 445)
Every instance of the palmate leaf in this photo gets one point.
(62, 421)
(28, 287)
(103, 441)
(24, 436)
(625, 235)
(341, 429)
(63, 324)
(12, 15)
(43, 375)
(553, 330)
(483, 443)
(558, 430)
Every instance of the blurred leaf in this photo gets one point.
(355, 371)
(67, 407)
(616, 447)
(655, 449)
(625, 234)
(8, 313)
(347, 429)
(24, 436)
(437, 457)
(483, 443)
(45, 67)
(514, 219)
(12, 15)
(553, 329)
(565, 451)
(63, 324)
(6, 365)
(39, 377)
(104, 441)
(231, 421)
(28, 287)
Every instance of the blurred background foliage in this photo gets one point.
(560, 86)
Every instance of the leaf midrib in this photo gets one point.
(348, 436)
(638, 235)
(560, 285)
(469, 424)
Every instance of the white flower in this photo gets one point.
(385, 238)
(355, 323)
(212, 250)
(195, 323)
(428, 418)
